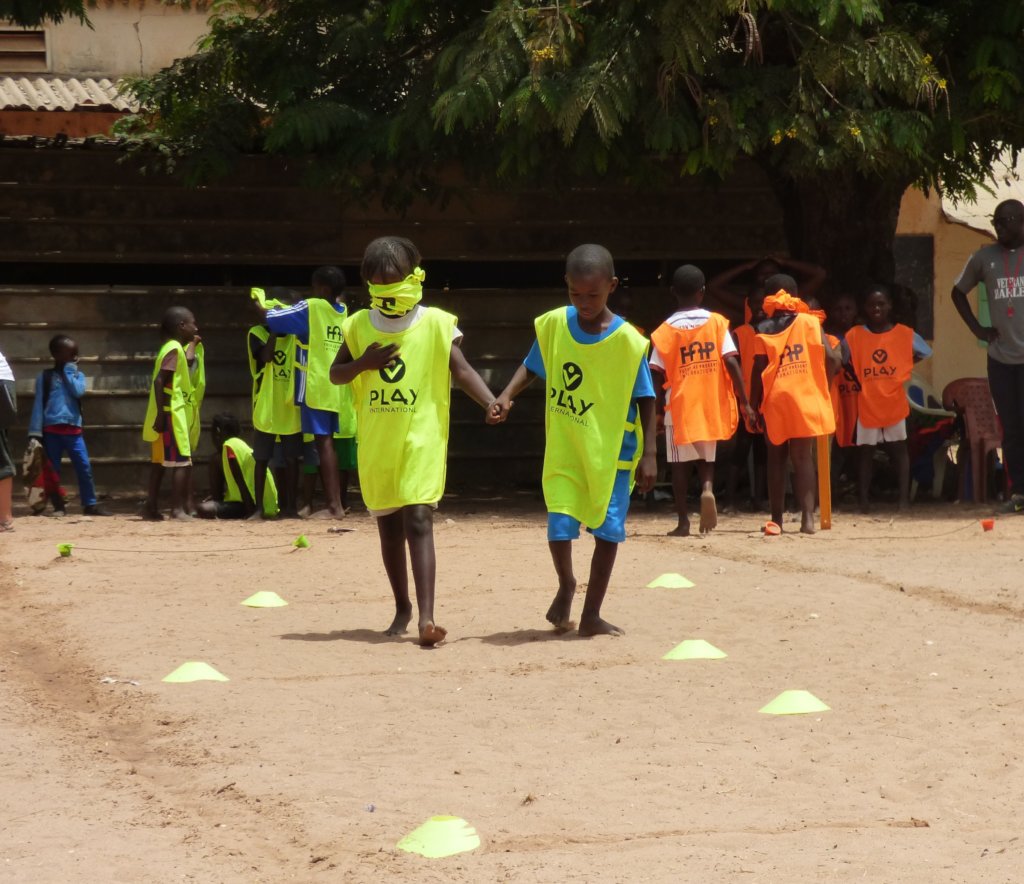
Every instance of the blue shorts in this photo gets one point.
(317, 422)
(562, 526)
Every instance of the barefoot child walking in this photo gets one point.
(401, 358)
(693, 353)
(791, 393)
(599, 394)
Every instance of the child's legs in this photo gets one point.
(6, 492)
(899, 454)
(418, 525)
(600, 574)
(79, 455)
(156, 477)
(865, 471)
(562, 531)
(680, 487)
(607, 536)
(53, 443)
(391, 529)
(329, 473)
(801, 452)
(777, 455)
(181, 483)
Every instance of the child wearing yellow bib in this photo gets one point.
(233, 476)
(171, 414)
(599, 428)
(400, 359)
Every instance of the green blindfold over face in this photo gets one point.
(398, 298)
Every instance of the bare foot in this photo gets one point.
(560, 613)
(149, 515)
(256, 516)
(807, 525)
(400, 625)
(681, 530)
(708, 512)
(328, 514)
(303, 512)
(596, 626)
(431, 635)
(180, 516)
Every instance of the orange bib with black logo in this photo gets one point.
(702, 402)
(796, 402)
(882, 363)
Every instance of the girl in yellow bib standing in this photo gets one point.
(401, 358)
(598, 426)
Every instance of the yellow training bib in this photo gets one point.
(402, 411)
(589, 390)
(179, 399)
(247, 463)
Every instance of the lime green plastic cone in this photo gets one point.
(194, 671)
(265, 599)
(670, 581)
(441, 836)
(301, 542)
(695, 649)
(794, 703)
(65, 549)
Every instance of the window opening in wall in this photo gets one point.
(22, 50)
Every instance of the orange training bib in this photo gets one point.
(796, 401)
(702, 404)
(882, 363)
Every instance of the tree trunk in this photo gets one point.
(843, 222)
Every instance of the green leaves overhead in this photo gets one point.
(913, 91)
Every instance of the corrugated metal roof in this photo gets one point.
(61, 94)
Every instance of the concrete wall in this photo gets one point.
(957, 353)
(128, 38)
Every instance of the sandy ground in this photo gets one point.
(576, 760)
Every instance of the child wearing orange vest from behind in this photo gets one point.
(692, 352)
(790, 391)
(881, 355)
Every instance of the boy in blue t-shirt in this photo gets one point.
(590, 276)
(57, 420)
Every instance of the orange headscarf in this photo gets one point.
(784, 301)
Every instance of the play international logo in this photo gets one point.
(880, 357)
(393, 372)
(572, 376)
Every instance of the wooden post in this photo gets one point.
(825, 482)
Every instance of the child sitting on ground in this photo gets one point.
(232, 476)
(881, 354)
(401, 359)
(693, 352)
(57, 421)
(599, 394)
(791, 392)
(171, 412)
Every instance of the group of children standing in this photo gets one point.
(384, 375)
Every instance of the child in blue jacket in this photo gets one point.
(57, 419)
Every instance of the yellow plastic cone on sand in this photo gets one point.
(695, 649)
(670, 581)
(265, 599)
(441, 836)
(794, 703)
(194, 671)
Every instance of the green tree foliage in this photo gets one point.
(843, 102)
(33, 13)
